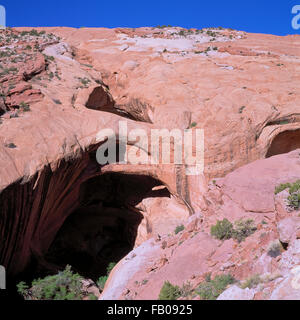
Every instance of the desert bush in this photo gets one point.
(179, 229)
(22, 288)
(211, 289)
(186, 290)
(251, 282)
(294, 193)
(65, 285)
(169, 292)
(111, 265)
(10, 145)
(275, 249)
(85, 81)
(92, 297)
(24, 106)
(281, 187)
(102, 280)
(294, 200)
(57, 101)
(243, 229)
(222, 230)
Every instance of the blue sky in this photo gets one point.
(264, 16)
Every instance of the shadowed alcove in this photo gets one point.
(103, 228)
(284, 142)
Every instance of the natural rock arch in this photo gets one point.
(284, 142)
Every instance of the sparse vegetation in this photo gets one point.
(243, 229)
(10, 145)
(179, 229)
(211, 289)
(169, 292)
(65, 285)
(84, 81)
(87, 65)
(224, 229)
(275, 249)
(49, 58)
(57, 101)
(24, 107)
(241, 109)
(294, 193)
(251, 282)
(51, 75)
(102, 280)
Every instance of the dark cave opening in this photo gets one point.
(284, 142)
(103, 228)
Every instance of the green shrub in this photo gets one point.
(169, 292)
(24, 106)
(294, 193)
(22, 288)
(92, 297)
(110, 266)
(85, 81)
(281, 187)
(294, 200)
(211, 289)
(186, 290)
(251, 282)
(193, 125)
(179, 229)
(48, 58)
(65, 285)
(34, 33)
(222, 230)
(102, 280)
(243, 229)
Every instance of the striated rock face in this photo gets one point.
(187, 257)
(61, 86)
(48, 171)
(243, 89)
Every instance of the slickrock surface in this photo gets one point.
(187, 257)
(60, 86)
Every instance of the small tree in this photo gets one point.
(243, 229)
(179, 229)
(65, 285)
(211, 289)
(102, 280)
(222, 230)
(169, 292)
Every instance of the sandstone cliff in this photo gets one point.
(61, 86)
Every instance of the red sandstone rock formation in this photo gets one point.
(246, 193)
(242, 89)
